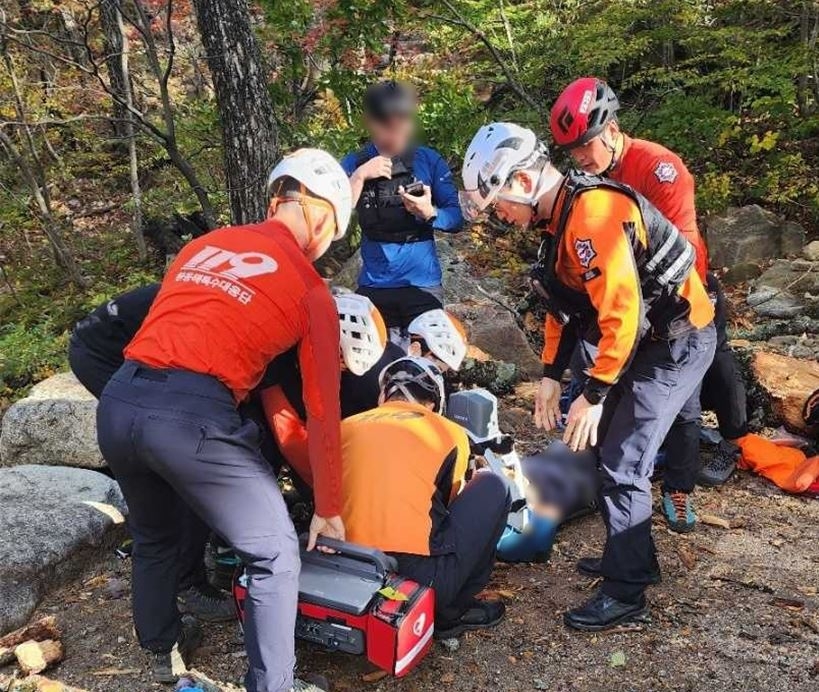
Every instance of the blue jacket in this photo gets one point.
(391, 265)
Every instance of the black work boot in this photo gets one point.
(168, 667)
(311, 683)
(480, 615)
(207, 603)
(602, 612)
(591, 567)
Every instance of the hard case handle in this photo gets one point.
(382, 562)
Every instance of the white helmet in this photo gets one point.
(444, 335)
(407, 374)
(363, 332)
(323, 177)
(496, 151)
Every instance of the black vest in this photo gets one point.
(663, 264)
(381, 212)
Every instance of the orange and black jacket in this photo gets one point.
(662, 178)
(402, 465)
(620, 269)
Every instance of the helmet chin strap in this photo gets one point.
(612, 149)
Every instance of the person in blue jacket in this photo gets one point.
(403, 194)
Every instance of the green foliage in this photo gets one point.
(29, 353)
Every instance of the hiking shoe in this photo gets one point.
(678, 512)
(721, 466)
(591, 567)
(602, 612)
(168, 667)
(480, 615)
(310, 683)
(207, 603)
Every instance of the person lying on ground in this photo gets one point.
(613, 265)
(403, 193)
(559, 485)
(584, 122)
(403, 469)
(169, 424)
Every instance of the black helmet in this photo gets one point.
(387, 99)
(417, 379)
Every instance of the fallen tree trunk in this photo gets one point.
(40, 630)
(788, 382)
(34, 657)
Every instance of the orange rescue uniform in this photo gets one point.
(596, 258)
(233, 300)
(402, 465)
(662, 178)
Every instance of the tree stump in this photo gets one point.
(788, 382)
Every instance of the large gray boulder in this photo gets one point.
(751, 234)
(787, 289)
(495, 331)
(55, 425)
(54, 522)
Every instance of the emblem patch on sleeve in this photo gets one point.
(666, 172)
(585, 252)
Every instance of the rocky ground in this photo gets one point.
(738, 609)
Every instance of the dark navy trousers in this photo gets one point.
(474, 526)
(94, 371)
(175, 439)
(661, 385)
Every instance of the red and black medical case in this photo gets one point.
(353, 601)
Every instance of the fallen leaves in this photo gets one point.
(713, 520)
(113, 672)
(789, 603)
(374, 676)
(617, 659)
(687, 556)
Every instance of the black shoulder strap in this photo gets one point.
(408, 157)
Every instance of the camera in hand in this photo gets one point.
(416, 189)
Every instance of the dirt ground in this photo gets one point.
(738, 609)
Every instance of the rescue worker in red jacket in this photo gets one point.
(169, 426)
(614, 266)
(584, 121)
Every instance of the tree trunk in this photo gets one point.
(110, 14)
(130, 133)
(246, 112)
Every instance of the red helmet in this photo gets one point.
(582, 111)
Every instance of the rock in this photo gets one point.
(498, 377)
(748, 234)
(55, 425)
(54, 522)
(40, 630)
(811, 251)
(35, 683)
(788, 382)
(785, 289)
(739, 273)
(494, 330)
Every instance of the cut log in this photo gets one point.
(788, 382)
(34, 657)
(39, 630)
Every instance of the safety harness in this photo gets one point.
(663, 262)
(381, 212)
